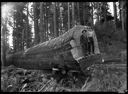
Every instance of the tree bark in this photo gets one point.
(54, 20)
(3, 44)
(23, 34)
(84, 14)
(98, 10)
(41, 22)
(14, 28)
(105, 13)
(46, 24)
(122, 17)
(81, 13)
(73, 15)
(36, 27)
(115, 13)
(28, 32)
(92, 15)
(119, 10)
(123, 14)
(78, 13)
(68, 16)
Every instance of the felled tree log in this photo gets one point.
(55, 52)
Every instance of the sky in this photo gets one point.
(7, 8)
(111, 8)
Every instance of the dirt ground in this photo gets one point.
(104, 78)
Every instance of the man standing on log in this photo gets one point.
(84, 42)
(90, 34)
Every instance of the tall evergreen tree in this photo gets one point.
(36, 25)
(115, 13)
(18, 28)
(86, 14)
(3, 43)
(92, 10)
(81, 13)
(119, 10)
(123, 14)
(41, 22)
(78, 13)
(104, 11)
(46, 20)
(28, 29)
(73, 14)
(68, 15)
(57, 19)
(65, 16)
(54, 19)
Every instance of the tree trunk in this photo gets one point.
(22, 41)
(43, 54)
(28, 33)
(73, 15)
(52, 53)
(115, 13)
(119, 10)
(54, 18)
(98, 15)
(68, 16)
(61, 19)
(123, 14)
(81, 13)
(45, 18)
(105, 11)
(92, 15)
(84, 14)
(14, 29)
(46, 29)
(78, 14)
(41, 22)
(3, 44)
(36, 27)
(122, 17)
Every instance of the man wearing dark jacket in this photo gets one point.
(84, 42)
(90, 35)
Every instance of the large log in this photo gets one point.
(52, 53)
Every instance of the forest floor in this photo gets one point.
(105, 78)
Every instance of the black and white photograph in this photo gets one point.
(64, 46)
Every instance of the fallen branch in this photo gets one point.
(85, 84)
(44, 86)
